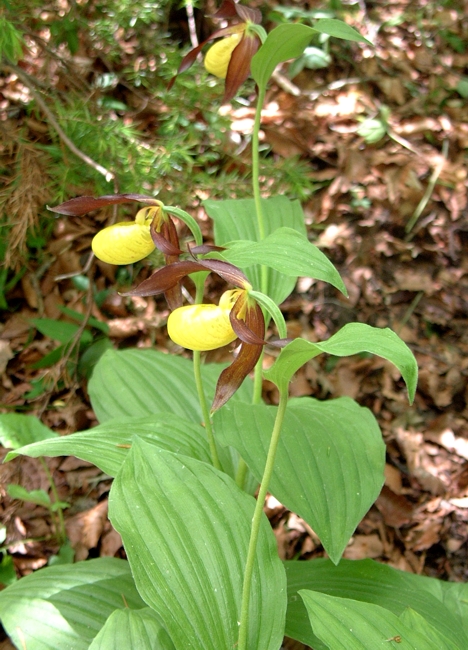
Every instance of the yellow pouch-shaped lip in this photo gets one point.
(123, 243)
(200, 327)
(218, 56)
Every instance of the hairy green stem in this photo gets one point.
(205, 410)
(256, 521)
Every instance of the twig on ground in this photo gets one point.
(29, 82)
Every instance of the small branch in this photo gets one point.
(191, 23)
(26, 79)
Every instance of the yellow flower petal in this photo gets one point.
(218, 56)
(123, 243)
(200, 327)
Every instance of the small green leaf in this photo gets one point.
(7, 571)
(66, 555)
(372, 130)
(288, 252)
(91, 320)
(329, 466)
(39, 497)
(339, 29)
(190, 525)
(350, 339)
(132, 629)
(61, 331)
(17, 430)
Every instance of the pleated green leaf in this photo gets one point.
(186, 528)
(353, 338)
(107, 445)
(128, 629)
(141, 382)
(65, 606)
(236, 219)
(346, 624)
(372, 582)
(290, 253)
(329, 464)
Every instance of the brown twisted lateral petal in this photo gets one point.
(80, 205)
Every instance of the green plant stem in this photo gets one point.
(256, 521)
(60, 521)
(257, 392)
(256, 165)
(257, 395)
(205, 410)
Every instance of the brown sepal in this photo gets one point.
(165, 278)
(232, 377)
(203, 249)
(239, 66)
(190, 58)
(227, 271)
(80, 205)
(230, 9)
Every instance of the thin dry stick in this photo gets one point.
(428, 193)
(26, 79)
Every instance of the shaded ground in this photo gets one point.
(392, 215)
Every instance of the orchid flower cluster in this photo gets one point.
(199, 327)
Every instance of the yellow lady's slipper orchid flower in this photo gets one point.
(203, 327)
(219, 55)
(125, 242)
(230, 57)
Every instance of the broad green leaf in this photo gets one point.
(65, 606)
(141, 382)
(107, 445)
(186, 529)
(353, 338)
(287, 41)
(372, 582)
(58, 330)
(237, 220)
(339, 29)
(287, 251)
(17, 430)
(329, 463)
(345, 624)
(128, 629)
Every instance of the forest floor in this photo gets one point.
(392, 216)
